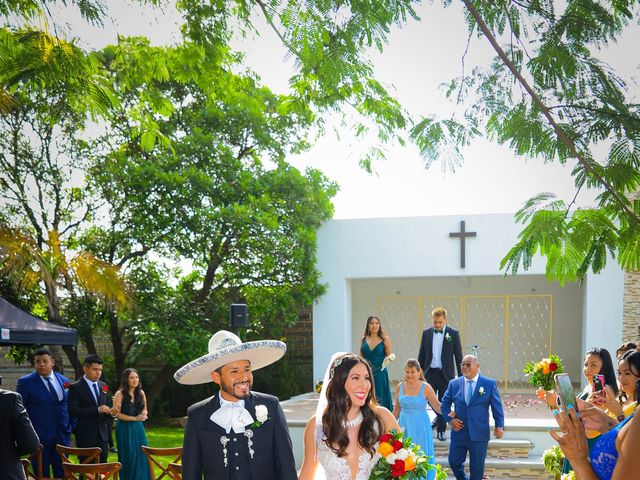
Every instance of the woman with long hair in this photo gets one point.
(130, 435)
(375, 347)
(410, 409)
(343, 433)
(623, 404)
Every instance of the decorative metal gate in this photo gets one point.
(504, 331)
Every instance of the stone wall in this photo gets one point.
(631, 308)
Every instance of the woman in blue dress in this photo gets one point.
(130, 435)
(411, 400)
(376, 346)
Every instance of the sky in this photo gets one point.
(418, 59)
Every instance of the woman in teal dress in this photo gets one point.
(411, 400)
(376, 346)
(130, 435)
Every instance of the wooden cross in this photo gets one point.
(462, 234)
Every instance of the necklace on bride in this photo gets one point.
(357, 420)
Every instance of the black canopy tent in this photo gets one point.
(18, 327)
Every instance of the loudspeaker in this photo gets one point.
(238, 315)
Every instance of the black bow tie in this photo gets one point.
(437, 331)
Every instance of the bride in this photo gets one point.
(343, 433)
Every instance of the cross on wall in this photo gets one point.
(462, 234)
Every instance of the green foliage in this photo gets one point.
(553, 459)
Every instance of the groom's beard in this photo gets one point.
(239, 390)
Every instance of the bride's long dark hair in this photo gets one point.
(339, 403)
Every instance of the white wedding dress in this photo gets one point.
(336, 468)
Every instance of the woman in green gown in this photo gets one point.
(130, 434)
(375, 347)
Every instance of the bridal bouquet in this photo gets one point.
(541, 373)
(400, 459)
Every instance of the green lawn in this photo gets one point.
(159, 437)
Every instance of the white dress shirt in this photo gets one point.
(436, 348)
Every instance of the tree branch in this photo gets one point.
(562, 136)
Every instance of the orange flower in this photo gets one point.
(546, 369)
(409, 464)
(385, 449)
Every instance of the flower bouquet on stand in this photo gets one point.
(541, 373)
(401, 459)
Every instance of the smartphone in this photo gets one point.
(598, 384)
(565, 391)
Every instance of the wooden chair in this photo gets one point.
(92, 471)
(90, 454)
(27, 462)
(153, 453)
(175, 469)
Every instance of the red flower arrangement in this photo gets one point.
(105, 388)
(401, 459)
(66, 385)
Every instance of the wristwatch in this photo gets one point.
(620, 417)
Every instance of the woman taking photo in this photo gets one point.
(343, 434)
(375, 347)
(130, 435)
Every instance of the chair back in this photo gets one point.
(175, 469)
(91, 471)
(152, 457)
(88, 455)
(34, 461)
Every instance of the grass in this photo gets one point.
(159, 437)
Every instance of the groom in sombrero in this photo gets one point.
(237, 434)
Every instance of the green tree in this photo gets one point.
(205, 182)
(546, 94)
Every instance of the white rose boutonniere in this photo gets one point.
(447, 337)
(262, 415)
(481, 391)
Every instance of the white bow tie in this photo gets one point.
(232, 416)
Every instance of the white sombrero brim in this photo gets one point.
(260, 353)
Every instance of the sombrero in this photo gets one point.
(226, 347)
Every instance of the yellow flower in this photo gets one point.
(385, 449)
(409, 464)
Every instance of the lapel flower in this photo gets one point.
(66, 385)
(447, 337)
(262, 415)
(105, 388)
(481, 391)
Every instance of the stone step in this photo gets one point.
(499, 448)
(530, 468)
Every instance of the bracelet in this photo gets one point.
(620, 417)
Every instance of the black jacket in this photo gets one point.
(451, 352)
(92, 428)
(17, 436)
(202, 454)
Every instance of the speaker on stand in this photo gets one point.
(238, 316)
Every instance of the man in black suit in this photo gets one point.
(17, 436)
(90, 403)
(237, 434)
(440, 357)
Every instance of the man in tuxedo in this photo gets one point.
(473, 395)
(440, 356)
(45, 396)
(90, 403)
(17, 436)
(237, 434)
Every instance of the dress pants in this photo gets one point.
(460, 445)
(436, 379)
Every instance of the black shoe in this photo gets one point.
(442, 437)
(113, 449)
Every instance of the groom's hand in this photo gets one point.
(498, 432)
(457, 424)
